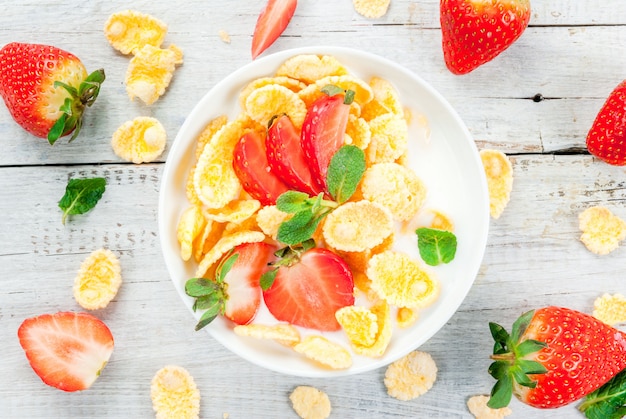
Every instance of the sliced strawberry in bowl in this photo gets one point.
(323, 133)
(286, 157)
(309, 287)
(253, 170)
(66, 350)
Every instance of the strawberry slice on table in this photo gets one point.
(235, 293)
(476, 31)
(66, 350)
(323, 131)
(271, 22)
(309, 286)
(46, 89)
(286, 157)
(554, 356)
(253, 170)
(607, 137)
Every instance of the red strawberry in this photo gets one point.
(46, 89)
(272, 21)
(253, 170)
(286, 158)
(553, 357)
(476, 31)
(235, 292)
(323, 133)
(308, 289)
(66, 350)
(607, 136)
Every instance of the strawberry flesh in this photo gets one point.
(323, 133)
(607, 137)
(310, 291)
(286, 157)
(271, 23)
(476, 31)
(243, 289)
(66, 350)
(253, 170)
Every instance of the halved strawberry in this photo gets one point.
(323, 133)
(272, 21)
(253, 170)
(286, 157)
(66, 350)
(235, 292)
(308, 289)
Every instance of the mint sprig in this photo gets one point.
(436, 246)
(210, 295)
(607, 402)
(345, 171)
(81, 195)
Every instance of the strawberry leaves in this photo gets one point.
(344, 174)
(509, 365)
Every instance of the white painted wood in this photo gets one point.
(572, 54)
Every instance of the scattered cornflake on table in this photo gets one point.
(411, 376)
(371, 8)
(141, 140)
(499, 172)
(98, 280)
(325, 352)
(224, 36)
(602, 230)
(310, 403)
(128, 31)
(174, 394)
(477, 405)
(610, 309)
(150, 72)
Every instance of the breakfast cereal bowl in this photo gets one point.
(440, 151)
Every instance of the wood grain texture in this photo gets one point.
(572, 54)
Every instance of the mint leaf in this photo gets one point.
(345, 171)
(607, 402)
(300, 227)
(81, 195)
(292, 202)
(436, 246)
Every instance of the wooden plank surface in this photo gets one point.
(572, 54)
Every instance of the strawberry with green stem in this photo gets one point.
(554, 356)
(46, 89)
(476, 31)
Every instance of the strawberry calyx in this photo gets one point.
(286, 256)
(74, 105)
(510, 365)
(211, 294)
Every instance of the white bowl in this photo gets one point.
(448, 163)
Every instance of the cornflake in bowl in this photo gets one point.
(401, 123)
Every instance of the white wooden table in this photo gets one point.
(573, 54)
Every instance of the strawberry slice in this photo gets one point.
(271, 22)
(286, 157)
(309, 288)
(66, 350)
(253, 170)
(242, 281)
(323, 133)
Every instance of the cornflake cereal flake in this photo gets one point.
(310, 403)
(499, 174)
(174, 394)
(141, 140)
(129, 31)
(477, 405)
(610, 309)
(371, 8)
(602, 231)
(411, 376)
(150, 71)
(285, 334)
(325, 352)
(98, 280)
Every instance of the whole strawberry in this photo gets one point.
(46, 89)
(607, 137)
(476, 31)
(554, 356)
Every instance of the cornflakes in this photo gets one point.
(98, 280)
(150, 72)
(129, 31)
(359, 324)
(389, 139)
(190, 225)
(371, 8)
(141, 140)
(310, 403)
(174, 394)
(499, 174)
(477, 405)
(285, 334)
(325, 352)
(602, 230)
(610, 309)
(411, 376)
(264, 103)
(309, 68)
